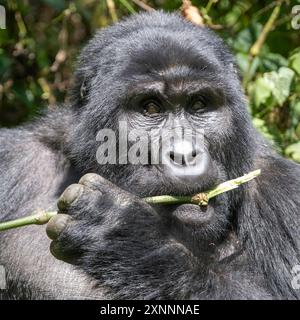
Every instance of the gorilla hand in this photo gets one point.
(119, 240)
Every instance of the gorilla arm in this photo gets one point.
(32, 175)
(269, 221)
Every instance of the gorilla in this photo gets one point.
(152, 71)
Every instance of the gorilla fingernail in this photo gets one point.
(56, 225)
(72, 193)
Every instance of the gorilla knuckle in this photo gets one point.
(95, 181)
(89, 178)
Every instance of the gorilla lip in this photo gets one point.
(192, 214)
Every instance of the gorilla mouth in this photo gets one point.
(194, 216)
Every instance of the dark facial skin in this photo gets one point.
(178, 97)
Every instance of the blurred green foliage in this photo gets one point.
(38, 50)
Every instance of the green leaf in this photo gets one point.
(276, 84)
(246, 38)
(295, 107)
(293, 151)
(242, 60)
(5, 65)
(56, 4)
(248, 69)
(295, 62)
(283, 84)
(297, 130)
(253, 67)
(261, 126)
(128, 6)
(272, 61)
(263, 89)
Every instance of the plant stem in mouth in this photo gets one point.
(200, 199)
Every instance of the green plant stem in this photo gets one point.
(255, 49)
(112, 10)
(38, 218)
(200, 199)
(128, 6)
(209, 5)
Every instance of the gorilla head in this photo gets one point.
(162, 76)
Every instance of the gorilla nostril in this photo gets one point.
(172, 156)
(185, 158)
(183, 154)
(192, 157)
(177, 158)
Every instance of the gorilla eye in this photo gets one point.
(151, 108)
(198, 104)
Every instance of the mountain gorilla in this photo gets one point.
(151, 71)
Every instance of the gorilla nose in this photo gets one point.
(182, 154)
(183, 158)
(186, 161)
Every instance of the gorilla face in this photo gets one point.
(169, 83)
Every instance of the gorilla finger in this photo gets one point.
(113, 194)
(57, 224)
(96, 182)
(62, 253)
(82, 202)
(69, 196)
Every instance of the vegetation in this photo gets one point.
(38, 51)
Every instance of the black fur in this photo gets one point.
(119, 246)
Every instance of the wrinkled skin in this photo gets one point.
(106, 241)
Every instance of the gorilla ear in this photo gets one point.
(83, 90)
(79, 90)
